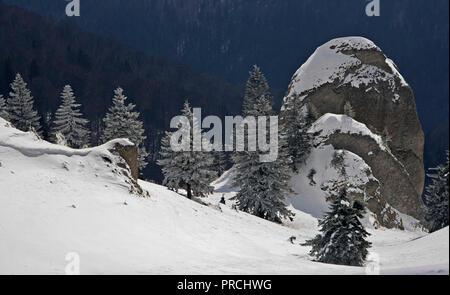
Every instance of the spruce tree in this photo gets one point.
(294, 122)
(20, 107)
(256, 87)
(219, 162)
(3, 112)
(436, 198)
(69, 121)
(189, 170)
(343, 238)
(122, 122)
(263, 185)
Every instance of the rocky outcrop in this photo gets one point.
(126, 165)
(354, 72)
(396, 186)
(130, 154)
(352, 76)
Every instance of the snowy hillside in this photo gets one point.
(55, 200)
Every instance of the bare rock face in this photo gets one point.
(130, 154)
(354, 71)
(126, 165)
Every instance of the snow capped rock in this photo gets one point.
(360, 103)
(336, 61)
(332, 123)
(335, 168)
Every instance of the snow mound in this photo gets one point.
(30, 145)
(336, 61)
(22, 150)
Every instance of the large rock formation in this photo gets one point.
(352, 76)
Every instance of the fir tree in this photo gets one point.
(256, 87)
(3, 112)
(263, 185)
(295, 131)
(189, 170)
(20, 107)
(122, 122)
(343, 237)
(436, 198)
(69, 121)
(219, 162)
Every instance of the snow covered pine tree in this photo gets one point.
(189, 170)
(295, 132)
(219, 162)
(263, 185)
(436, 198)
(255, 87)
(342, 240)
(20, 107)
(3, 110)
(122, 122)
(69, 122)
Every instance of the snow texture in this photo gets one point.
(55, 200)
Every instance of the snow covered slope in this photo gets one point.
(55, 201)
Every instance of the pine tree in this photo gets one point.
(189, 170)
(20, 107)
(263, 185)
(436, 198)
(256, 87)
(122, 122)
(3, 111)
(343, 237)
(294, 122)
(219, 162)
(69, 121)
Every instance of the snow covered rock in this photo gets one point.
(354, 71)
(326, 170)
(344, 133)
(352, 76)
(114, 162)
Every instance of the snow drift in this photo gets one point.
(55, 201)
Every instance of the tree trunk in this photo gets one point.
(189, 193)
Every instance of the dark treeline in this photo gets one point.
(50, 55)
